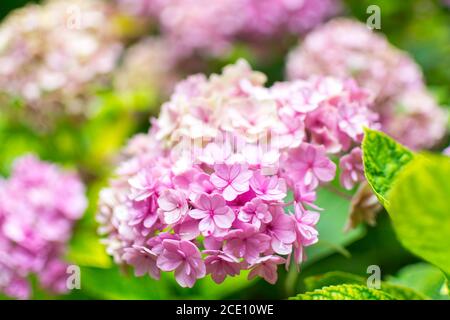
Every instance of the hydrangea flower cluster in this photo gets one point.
(38, 207)
(207, 190)
(193, 24)
(347, 48)
(147, 65)
(53, 55)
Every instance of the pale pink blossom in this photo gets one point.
(305, 225)
(232, 180)
(266, 267)
(346, 48)
(246, 243)
(172, 206)
(255, 212)
(220, 265)
(143, 260)
(281, 230)
(446, 151)
(305, 195)
(352, 168)
(185, 259)
(309, 164)
(213, 212)
(268, 188)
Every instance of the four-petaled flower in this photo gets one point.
(246, 243)
(172, 206)
(183, 257)
(143, 260)
(266, 267)
(220, 264)
(269, 188)
(309, 164)
(255, 212)
(215, 215)
(232, 180)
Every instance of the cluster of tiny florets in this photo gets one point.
(347, 48)
(226, 178)
(39, 205)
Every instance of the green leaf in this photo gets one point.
(398, 292)
(422, 277)
(383, 159)
(332, 237)
(344, 292)
(420, 209)
(211, 290)
(114, 284)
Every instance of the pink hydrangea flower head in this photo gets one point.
(39, 205)
(214, 173)
(192, 25)
(346, 48)
(184, 258)
(51, 76)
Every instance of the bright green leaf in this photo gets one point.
(398, 292)
(211, 290)
(332, 237)
(420, 209)
(383, 159)
(114, 284)
(344, 292)
(422, 277)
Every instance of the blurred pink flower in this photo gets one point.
(352, 168)
(346, 48)
(39, 205)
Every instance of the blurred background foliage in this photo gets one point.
(421, 27)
